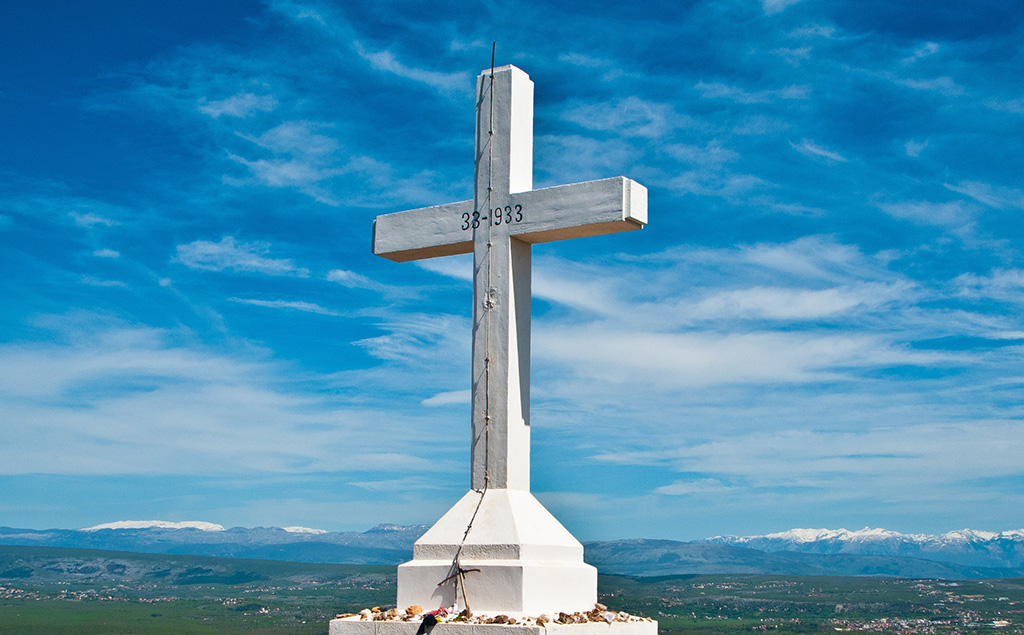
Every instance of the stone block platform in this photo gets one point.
(353, 626)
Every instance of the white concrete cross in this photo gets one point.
(504, 218)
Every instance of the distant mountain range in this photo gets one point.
(384, 544)
(955, 555)
(965, 547)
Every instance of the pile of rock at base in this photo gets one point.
(599, 613)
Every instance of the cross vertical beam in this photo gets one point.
(500, 455)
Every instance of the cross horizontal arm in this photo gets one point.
(592, 208)
(427, 232)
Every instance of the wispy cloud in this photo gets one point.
(987, 194)
(351, 279)
(687, 360)
(808, 148)
(89, 219)
(776, 6)
(1001, 284)
(914, 148)
(204, 410)
(294, 305)
(953, 214)
(458, 82)
(240, 105)
(698, 486)
(448, 398)
(943, 85)
(227, 254)
(420, 338)
(718, 90)
(630, 117)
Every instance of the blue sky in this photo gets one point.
(821, 326)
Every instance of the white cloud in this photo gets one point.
(297, 138)
(351, 279)
(411, 483)
(459, 267)
(808, 148)
(795, 304)
(629, 117)
(760, 125)
(289, 173)
(814, 31)
(106, 253)
(956, 215)
(718, 90)
(715, 182)
(229, 255)
(448, 398)
(913, 454)
(944, 85)
(987, 194)
(106, 398)
(811, 257)
(572, 158)
(772, 7)
(925, 50)
(240, 105)
(99, 282)
(386, 61)
(794, 56)
(702, 359)
(306, 307)
(711, 153)
(1015, 106)
(697, 486)
(419, 339)
(89, 219)
(303, 158)
(1000, 284)
(914, 148)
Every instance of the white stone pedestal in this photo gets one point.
(518, 560)
(352, 626)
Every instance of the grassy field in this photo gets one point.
(48, 591)
(804, 604)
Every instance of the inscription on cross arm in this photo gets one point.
(498, 226)
(592, 208)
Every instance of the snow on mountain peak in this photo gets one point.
(304, 530)
(157, 524)
(967, 535)
(807, 535)
(869, 535)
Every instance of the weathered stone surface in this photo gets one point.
(352, 626)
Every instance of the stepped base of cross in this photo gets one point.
(352, 626)
(516, 559)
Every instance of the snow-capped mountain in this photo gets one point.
(160, 524)
(966, 546)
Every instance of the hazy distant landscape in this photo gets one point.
(964, 554)
(158, 577)
(45, 590)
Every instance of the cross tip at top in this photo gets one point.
(502, 69)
